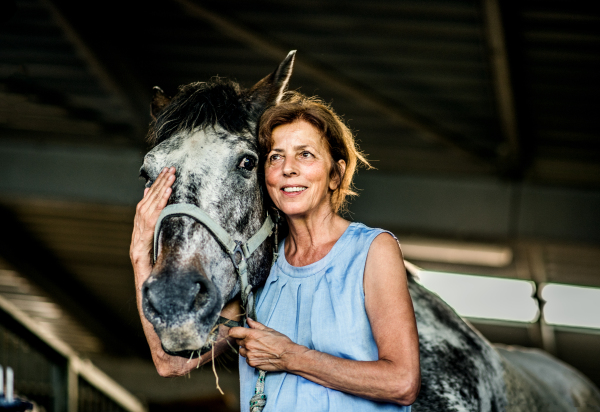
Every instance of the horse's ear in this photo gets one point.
(270, 89)
(159, 101)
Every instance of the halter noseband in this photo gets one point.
(232, 247)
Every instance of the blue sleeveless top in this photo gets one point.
(320, 306)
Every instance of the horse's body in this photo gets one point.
(207, 133)
(462, 371)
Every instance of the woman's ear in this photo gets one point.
(338, 175)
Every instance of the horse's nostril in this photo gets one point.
(152, 307)
(202, 295)
(148, 303)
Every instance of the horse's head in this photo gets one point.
(207, 132)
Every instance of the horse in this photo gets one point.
(208, 132)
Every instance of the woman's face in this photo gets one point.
(297, 170)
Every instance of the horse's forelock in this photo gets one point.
(202, 104)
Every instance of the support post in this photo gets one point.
(72, 388)
(542, 332)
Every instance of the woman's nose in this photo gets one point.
(289, 167)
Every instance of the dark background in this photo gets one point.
(479, 116)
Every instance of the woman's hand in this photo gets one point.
(146, 215)
(265, 348)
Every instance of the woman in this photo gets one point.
(338, 330)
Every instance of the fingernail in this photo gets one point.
(172, 169)
(172, 177)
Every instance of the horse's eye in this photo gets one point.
(247, 163)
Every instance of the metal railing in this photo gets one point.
(50, 373)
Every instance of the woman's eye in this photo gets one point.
(306, 154)
(247, 163)
(274, 157)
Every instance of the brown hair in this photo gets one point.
(337, 136)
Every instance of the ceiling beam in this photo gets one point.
(33, 259)
(23, 85)
(511, 152)
(117, 79)
(367, 97)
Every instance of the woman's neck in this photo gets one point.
(311, 237)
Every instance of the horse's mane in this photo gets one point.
(201, 104)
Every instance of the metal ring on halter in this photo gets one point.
(238, 249)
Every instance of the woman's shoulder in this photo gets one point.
(362, 231)
(359, 239)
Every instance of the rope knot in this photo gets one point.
(259, 400)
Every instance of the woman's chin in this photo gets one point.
(297, 211)
(293, 212)
(302, 208)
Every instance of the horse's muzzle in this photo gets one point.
(182, 307)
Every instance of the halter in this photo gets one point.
(231, 247)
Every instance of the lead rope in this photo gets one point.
(259, 400)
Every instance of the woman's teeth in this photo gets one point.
(294, 189)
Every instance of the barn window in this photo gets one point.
(484, 296)
(568, 305)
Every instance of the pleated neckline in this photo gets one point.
(316, 267)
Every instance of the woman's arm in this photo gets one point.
(147, 212)
(394, 377)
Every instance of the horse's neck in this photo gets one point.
(432, 312)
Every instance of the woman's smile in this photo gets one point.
(293, 190)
